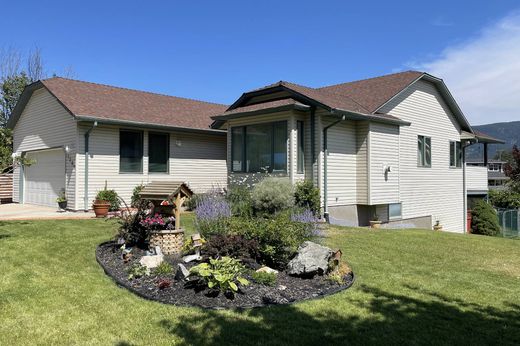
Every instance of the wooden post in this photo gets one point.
(179, 201)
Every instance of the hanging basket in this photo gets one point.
(170, 241)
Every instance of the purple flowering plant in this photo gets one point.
(307, 217)
(211, 214)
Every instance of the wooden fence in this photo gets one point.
(6, 188)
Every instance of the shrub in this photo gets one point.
(212, 215)
(134, 202)
(224, 274)
(507, 199)
(279, 237)
(272, 195)
(264, 278)
(137, 270)
(231, 245)
(484, 219)
(163, 269)
(111, 197)
(239, 198)
(307, 196)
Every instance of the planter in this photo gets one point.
(170, 241)
(437, 228)
(100, 208)
(375, 224)
(62, 205)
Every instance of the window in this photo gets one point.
(259, 148)
(237, 150)
(130, 151)
(424, 151)
(301, 161)
(158, 152)
(394, 211)
(455, 154)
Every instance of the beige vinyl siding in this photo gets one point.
(43, 124)
(197, 159)
(341, 163)
(384, 144)
(362, 162)
(435, 191)
(477, 178)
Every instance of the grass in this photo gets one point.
(412, 287)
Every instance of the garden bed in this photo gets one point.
(288, 289)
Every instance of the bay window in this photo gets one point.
(259, 148)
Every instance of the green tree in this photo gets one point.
(6, 144)
(11, 89)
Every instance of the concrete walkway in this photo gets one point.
(15, 211)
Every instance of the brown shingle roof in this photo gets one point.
(374, 92)
(103, 101)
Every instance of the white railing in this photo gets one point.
(477, 178)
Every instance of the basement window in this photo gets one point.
(395, 211)
(130, 151)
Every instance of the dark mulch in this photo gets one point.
(288, 289)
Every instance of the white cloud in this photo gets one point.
(483, 73)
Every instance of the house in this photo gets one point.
(392, 146)
(496, 176)
(84, 135)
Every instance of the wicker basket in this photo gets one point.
(170, 241)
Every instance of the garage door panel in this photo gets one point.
(45, 179)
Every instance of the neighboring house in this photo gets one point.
(391, 146)
(133, 137)
(496, 176)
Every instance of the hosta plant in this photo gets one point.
(224, 274)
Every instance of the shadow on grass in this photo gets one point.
(391, 319)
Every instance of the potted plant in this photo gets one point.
(437, 226)
(62, 201)
(101, 205)
(375, 222)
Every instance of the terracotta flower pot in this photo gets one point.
(375, 224)
(100, 208)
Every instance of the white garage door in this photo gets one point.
(45, 179)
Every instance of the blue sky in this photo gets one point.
(215, 50)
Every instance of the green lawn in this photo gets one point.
(412, 287)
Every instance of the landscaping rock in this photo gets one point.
(182, 272)
(310, 260)
(266, 269)
(151, 262)
(191, 258)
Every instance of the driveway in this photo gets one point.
(15, 211)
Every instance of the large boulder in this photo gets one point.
(310, 260)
